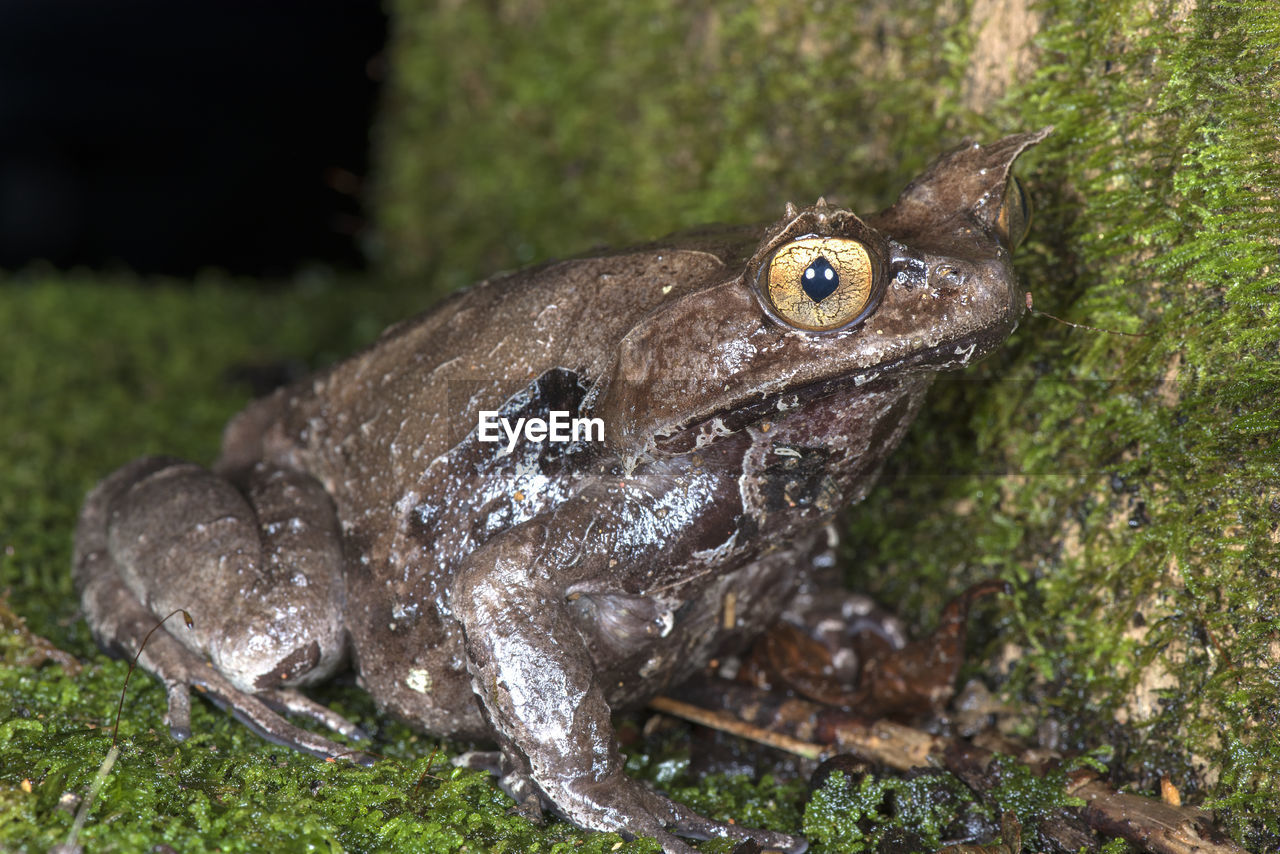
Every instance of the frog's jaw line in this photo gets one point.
(693, 434)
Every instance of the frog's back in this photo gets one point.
(370, 427)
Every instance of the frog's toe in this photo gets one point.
(489, 761)
(513, 778)
(530, 801)
(531, 809)
(691, 825)
(178, 716)
(751, 846)
(768, 840)
(634, 809)
(300, 704)
(182, 670)
(259, 717)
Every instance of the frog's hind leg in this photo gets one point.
(259, 573)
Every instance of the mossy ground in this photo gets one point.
(1129, 487)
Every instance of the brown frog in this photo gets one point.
(717, 396)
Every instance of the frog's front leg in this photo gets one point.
(539, 686)
(258, 568)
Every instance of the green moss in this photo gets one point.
(921, 812)
(769, 803)
(877, 811)
(520, 129)
(224, 791)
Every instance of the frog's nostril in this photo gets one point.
(948, 276)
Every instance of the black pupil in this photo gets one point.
(819, 279)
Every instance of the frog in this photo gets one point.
(738, 385)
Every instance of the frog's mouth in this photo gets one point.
(916, 370)
(701, 430)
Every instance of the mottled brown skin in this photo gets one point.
(356, 516)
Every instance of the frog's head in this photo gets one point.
(831, 301)
(931, 271)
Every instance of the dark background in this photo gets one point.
(170, 136)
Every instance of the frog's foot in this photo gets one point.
(636, 810)
(630, 808)
(516, 782)
(190, 541)
(615, 804)
(181, 670)
(257, 714)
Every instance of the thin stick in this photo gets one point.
(1034, 310)
(133, 665)
(82, 814)
(725, 722)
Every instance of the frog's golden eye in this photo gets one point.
(1015, 212)
(820, 283)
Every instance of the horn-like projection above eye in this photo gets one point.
(820, 283)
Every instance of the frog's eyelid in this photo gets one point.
(786, 295)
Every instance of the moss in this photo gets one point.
(520, 129)
(879, 813)
(922, 811)
(223, 791)
(1116, 846)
